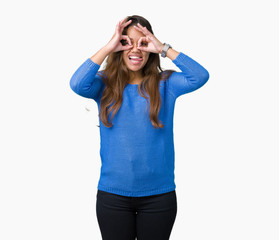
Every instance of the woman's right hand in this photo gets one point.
(114, 45)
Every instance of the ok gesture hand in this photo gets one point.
(153, 44)
(114, 45)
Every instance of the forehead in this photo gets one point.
(134, 34)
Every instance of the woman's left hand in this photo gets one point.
(153, 44)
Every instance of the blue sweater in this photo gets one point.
(137, 159)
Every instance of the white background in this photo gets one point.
(226, 133)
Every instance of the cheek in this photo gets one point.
(124, 56)
(146, 57)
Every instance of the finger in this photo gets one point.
(143, 44)
(142, 40)
(143, 29)
(143, 48)
(125, 37)
(118, 26)
(137, 28)
(122, 20)
(127, 47)
(125, 24)
(146, 33)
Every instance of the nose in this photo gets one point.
(134, 48)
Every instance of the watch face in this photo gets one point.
(165, 49)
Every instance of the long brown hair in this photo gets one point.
(116, 77)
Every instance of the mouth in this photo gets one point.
(135, 59)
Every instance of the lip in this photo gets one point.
(133, 61)
(134, 55)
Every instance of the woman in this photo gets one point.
(136, 191)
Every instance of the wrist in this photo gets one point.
(107, 50)
(161, 48)
(165, 50)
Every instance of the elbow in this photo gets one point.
(74, 84)
(202, 79)
(204, 76)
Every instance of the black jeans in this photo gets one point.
(125, 218)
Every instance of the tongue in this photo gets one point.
(136, 60)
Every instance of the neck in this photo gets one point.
(135, 77)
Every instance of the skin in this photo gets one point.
(136, 70)
(141, 35)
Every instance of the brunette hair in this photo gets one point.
(116, 76)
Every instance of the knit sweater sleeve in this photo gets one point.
(191, 77)
(85, 81)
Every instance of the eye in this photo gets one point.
(144, 44)
(123, 42)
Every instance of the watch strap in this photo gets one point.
(165, 49)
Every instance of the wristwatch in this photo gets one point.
(165, 49)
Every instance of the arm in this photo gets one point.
(192, 77)
(171, 53)
(85, 81)
(100, 56)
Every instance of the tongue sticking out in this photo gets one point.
(135, 60)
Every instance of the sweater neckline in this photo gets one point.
(136, 85)
(129, 84)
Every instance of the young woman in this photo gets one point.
(136, 191)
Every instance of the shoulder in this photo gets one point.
(165, 75)
(100, 73)
(101, 76)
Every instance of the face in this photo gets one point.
(134, 58)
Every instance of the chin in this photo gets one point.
(134, 69)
